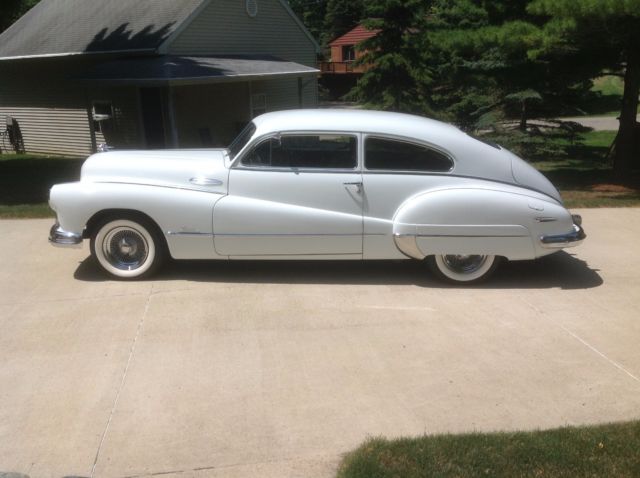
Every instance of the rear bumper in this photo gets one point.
(60, 238)
(560, 241)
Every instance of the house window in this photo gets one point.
(102, 112)
(348, 53)
(258, 104)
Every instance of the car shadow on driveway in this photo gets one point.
(560, 270)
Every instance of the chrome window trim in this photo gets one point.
(237, 162)
(411, 141)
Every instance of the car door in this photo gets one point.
(294, 194)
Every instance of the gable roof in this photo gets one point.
(68, 27)
(355, 36)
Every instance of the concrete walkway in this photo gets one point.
(277, 369)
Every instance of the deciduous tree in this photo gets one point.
(606, 35)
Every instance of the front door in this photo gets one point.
(293, 195)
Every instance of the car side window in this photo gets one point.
(309, 151)
(394, 155)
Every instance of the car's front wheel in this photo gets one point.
(127, 248)
(463, 269)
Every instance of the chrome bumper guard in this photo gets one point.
(60, 238)
(570, 239)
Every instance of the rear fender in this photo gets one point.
(474, 221)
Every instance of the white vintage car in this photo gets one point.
(318, 184)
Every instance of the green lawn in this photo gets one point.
(591, 451)
(25, 180)
(608, 85)
(608, 100)
(585, 178)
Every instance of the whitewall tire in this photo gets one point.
(127, 248)
(463, 269)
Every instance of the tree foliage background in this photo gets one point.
(479, 63)
(11, 10)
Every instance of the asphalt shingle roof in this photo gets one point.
(57, 27)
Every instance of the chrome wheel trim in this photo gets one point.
(464, 268)
(125, 248)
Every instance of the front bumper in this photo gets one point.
(571, 239)
(60, 238)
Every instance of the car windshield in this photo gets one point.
(241, 140)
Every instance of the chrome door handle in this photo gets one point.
(202, 181)
(357, 184)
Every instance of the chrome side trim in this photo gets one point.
(204, 181)
(407, 244)
(168, 186)
(60, 238)
(185, 233)
(559, 241)
(468, 235)
(546, 219)
(288, 235)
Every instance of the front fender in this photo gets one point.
(184, 216)
(476, 221)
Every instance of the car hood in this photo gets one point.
(186, 169)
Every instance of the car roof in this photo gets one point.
(472, 157)
(361, 121)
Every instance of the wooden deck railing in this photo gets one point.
(341, 67)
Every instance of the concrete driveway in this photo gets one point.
(276, 369)
(598, 123)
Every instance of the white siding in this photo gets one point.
(51, 110)
(52, 119)
(225, 28)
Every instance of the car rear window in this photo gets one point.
(395, 155)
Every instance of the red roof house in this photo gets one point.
(344, 51)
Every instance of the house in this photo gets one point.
(344, 52)
(75, 74)
(340, 74)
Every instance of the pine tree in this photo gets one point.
(341, 16)
(311, 13)
(11, 10)
(398, 75)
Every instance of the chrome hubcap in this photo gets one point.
(464, 264)
(125, 248)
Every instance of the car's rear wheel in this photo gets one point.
(463, 268)
(127, 248)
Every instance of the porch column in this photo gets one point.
(173, 129)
